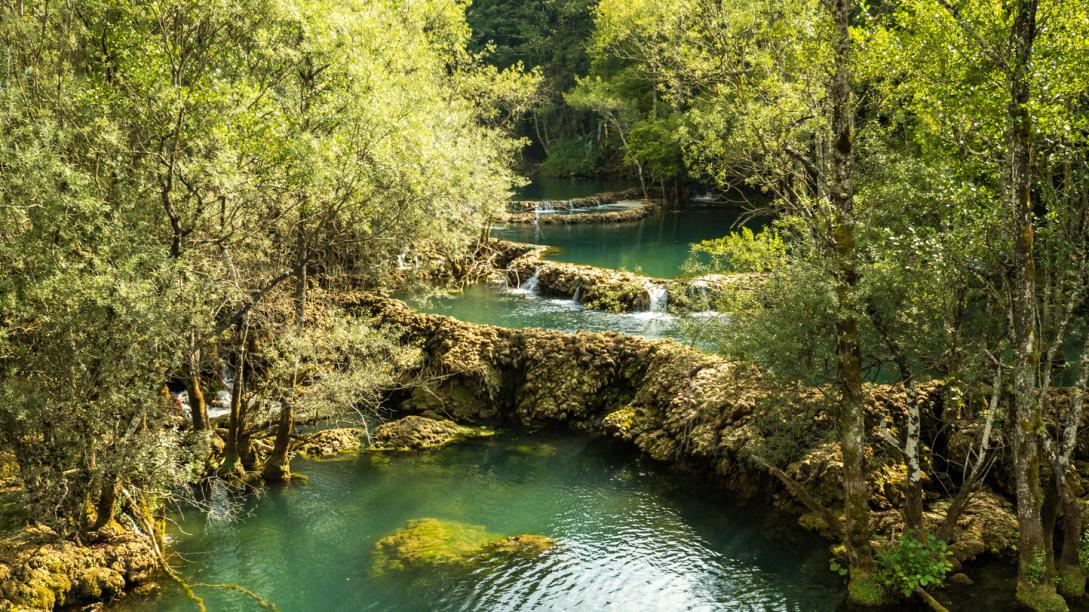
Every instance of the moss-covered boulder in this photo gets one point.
(330, 443)
(421, 433)
(428, 543)
(40, 571)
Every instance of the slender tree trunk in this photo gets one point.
(237, 418)
(913, 490)
(1071, 574)
(979, 468)
(198, 408)
(278, 466)
(1035, 589)
(913, 495)
(862, 588)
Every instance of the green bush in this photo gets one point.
(913, 562)
(740, 251)
(570, 157)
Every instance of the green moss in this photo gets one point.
(420, 433)
(1071, 583)
(429, 542)
(620, 422)
(865, 590)
(1041, 598)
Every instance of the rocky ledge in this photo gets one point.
(616, 290)
(329, 443)
(633, 211)
(608, 197)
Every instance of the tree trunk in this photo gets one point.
(1035, 589)
(862, 588)
(107, 503)
(913, 495)
(1071, 574)
(237, 416)
(198, 409)
(278, 466)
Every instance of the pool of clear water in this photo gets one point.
(628, 537)
(657, 245)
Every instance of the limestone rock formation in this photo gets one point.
(329, 442)
(679, 405)
(421, 433)
(40, 571)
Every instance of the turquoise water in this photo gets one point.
(657, 245)
(545, 188)
(628, 537)
(493, 305)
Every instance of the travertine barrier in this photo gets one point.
(680, 406)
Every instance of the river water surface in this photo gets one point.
(628, 538)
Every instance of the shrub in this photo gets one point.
(913, 562)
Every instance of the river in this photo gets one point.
(627, 535)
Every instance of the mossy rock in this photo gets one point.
(620, 422)
(41, 571)
(329, 443)
(421, 433)
(428, 543)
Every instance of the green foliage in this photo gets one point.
(167, 168)
(740, 251)
(654, 143)
(912, 562)
(570, 157)
(1083, 551)
(1035, 571)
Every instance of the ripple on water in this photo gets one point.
(623, 538)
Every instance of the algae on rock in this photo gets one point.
(428, 542)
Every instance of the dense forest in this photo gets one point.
(828, 259)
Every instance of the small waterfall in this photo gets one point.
(544, 206)
(530, 286)
(575, 298)
(221, 404)
(659, 297)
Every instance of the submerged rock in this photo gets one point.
(330, 443)
(41, 571)
(420, 433)
(428, 542)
